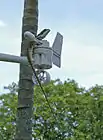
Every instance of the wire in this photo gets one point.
(29, 56)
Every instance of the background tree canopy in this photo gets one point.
(78, 112)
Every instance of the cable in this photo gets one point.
(29, 36)
(29, 57)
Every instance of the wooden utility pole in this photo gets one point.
(26, 89)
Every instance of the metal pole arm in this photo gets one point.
(13, 58)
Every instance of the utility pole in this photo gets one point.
(26, 88)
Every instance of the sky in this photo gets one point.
(81, 24)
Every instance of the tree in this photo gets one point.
(8, 107)
(79, 112)
(25, 91)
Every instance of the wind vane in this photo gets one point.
(44, 56)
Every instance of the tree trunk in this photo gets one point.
(26, 89)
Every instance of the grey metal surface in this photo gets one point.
(13, 58)
(57, 48)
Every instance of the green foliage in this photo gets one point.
(78, 113)
(8, 104)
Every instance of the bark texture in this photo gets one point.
(26, 89)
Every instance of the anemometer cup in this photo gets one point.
(43, 76)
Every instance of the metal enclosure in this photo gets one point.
(43, 56)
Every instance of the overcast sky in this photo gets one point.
(80, 22)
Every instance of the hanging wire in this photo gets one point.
(29, 56)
